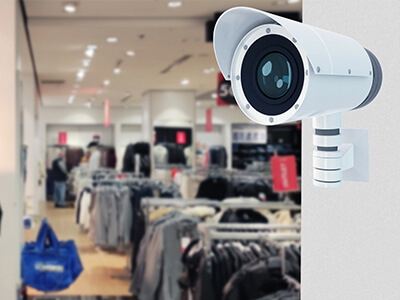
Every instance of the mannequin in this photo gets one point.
(95, 155)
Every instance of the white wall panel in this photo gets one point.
(350, 236)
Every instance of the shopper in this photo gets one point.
(60, 175)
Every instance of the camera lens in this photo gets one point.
(274, 75)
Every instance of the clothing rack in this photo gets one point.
(182, 203)
(156, 184)
(210, 234)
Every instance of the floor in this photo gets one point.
(98, 265)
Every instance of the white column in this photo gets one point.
(29, 134)
(10, 151)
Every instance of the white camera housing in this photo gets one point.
(321, 74)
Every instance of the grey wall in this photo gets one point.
(351, 236)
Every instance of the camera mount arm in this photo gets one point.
(339, 154)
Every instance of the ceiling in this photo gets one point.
(158, 35)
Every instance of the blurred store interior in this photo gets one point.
(129, 94)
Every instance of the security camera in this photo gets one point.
(283, 71)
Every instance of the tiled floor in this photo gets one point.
(98, 265)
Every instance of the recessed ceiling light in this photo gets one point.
(71, 99)
(89, 52)
(106, 82)
(117, 71)
(112, 40)
(130, 53)
(80, 74)
(93, 47)
(86, 62)
(292, 1)
(185, 82)
(70, 8)
(174, 4)
(214, 95)
(208, 71)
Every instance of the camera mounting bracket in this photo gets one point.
(340, 154)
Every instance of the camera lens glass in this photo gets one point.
(274, 75)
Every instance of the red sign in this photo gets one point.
(107, 113)
(62, 138)
(284, 173)
(181, 137)
(209, 124)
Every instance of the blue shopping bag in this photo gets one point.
(50, 265)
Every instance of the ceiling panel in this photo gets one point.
(157, 34)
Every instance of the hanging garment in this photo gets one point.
(159, 265)
(160, 155)
(73, 157)
(236, 271)
(218, 156)
(243, 216)
(215, 189)
(255, 188)
(256, 279)
(188, 156)
(94, 160)
(129, 162)
(138, 221)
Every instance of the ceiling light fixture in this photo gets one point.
(86, 62)
(112, 40)
(214, 95)
(92, 47)
(185, 82)
(71, 99)
(117, 71)
(292, 1)
(174, 4)
(80, 74)
(106, 82)
(208, 71)
(130, 53)
(70, 8)
(89, 52)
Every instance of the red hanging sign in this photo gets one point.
(209, 124)
(107, 113)
(181, 137)
(284, 173)
(62, 138)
